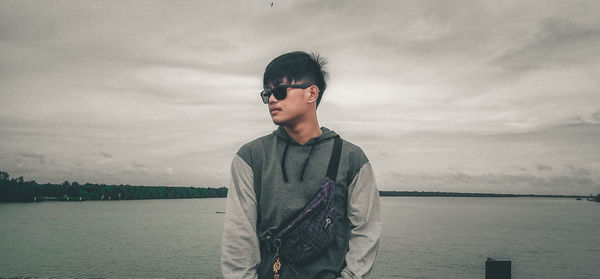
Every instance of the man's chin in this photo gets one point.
(278, 122)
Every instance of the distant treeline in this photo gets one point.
(453, 194)
(19, 190)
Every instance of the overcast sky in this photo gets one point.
(466, 96)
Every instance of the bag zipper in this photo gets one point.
(291, 229)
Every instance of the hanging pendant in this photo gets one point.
(276, 265)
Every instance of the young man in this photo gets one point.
(275, 176)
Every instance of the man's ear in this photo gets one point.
(313, 91)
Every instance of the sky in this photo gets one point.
(461, 96)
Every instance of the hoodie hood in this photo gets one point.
(325, 136)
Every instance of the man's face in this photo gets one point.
(292, 109)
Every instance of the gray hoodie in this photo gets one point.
(273, 177)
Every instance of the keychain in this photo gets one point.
(276, 265)
(276, 261)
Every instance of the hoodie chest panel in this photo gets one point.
(280, 200)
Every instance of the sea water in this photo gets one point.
(422, 238)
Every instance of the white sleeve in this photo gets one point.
(240, 254)
(365, 222)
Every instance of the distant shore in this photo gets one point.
(456, 194)
(19, 190)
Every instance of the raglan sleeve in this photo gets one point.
(364, 214)
(240, 255)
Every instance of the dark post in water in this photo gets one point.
(497, 269)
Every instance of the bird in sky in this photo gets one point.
(271, 4)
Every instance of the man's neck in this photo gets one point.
(304, 131)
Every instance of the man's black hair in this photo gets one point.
(297, 66)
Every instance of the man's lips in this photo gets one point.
(272, 110)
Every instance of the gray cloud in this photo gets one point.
(505, 183)
(33, 155)
(137, 165)
(423, 86)
(577, 171)
(558, 42)
(105, 154)
(596, 116)
(519, 168)
(543, 167)
(42, 159)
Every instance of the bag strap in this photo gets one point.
(334, 161)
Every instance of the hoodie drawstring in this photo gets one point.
(306, 163)
(285, 178)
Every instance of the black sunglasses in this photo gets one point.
(280, 91)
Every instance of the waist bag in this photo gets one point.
(313, 228)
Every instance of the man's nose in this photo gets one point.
(272, 99)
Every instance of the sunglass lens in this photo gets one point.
(265, 94)
(280, 92)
